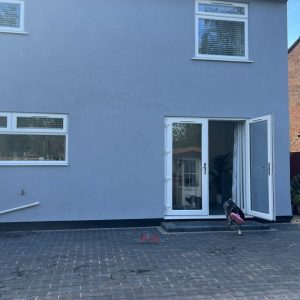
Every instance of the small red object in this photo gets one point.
(154, 239)
(144, 238)
(237, 218)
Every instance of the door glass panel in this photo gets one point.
(259, 167)
(186, 161)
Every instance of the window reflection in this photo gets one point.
(187, 193)
(32, 147)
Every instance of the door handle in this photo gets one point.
(204, 168)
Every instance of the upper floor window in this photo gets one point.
(33, 139)
(221, 30)
(11, 16)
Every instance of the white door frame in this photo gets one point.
(247, 196)
(169, 162)
(271, 215)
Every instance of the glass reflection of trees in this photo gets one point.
(32, 147)
(186, 135)
(221, 9)
(40, 122)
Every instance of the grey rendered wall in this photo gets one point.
(118, 67)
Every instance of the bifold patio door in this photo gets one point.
(259, 168)
(186, 173)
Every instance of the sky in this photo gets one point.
(293, 21)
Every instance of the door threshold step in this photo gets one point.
(214, 225)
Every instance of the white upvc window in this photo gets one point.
(221, 30)
(12, 16)
(33, 139)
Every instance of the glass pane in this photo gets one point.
(10, 15)
(40, 122)
(187, 181)
(3, 122)
(221, 9)
(193, 166)
(259, 167)
(32, 147)
(219, 37)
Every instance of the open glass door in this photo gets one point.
(186, 171)
(260, 199)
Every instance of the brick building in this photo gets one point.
(294, 106)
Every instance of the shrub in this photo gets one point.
(295, 190)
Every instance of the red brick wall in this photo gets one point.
(294, 98)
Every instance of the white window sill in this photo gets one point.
(14, 32)
(33, 163)
(223, 59)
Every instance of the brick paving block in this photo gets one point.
(111, 264)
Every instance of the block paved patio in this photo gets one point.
(114, 264)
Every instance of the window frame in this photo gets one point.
(12, 130)
(22, 21)
(223, 17)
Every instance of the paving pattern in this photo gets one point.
(125, 264)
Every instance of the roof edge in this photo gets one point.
(294, 44)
